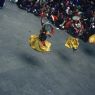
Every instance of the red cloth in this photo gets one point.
(52, 30)
(68, 23)
(54, 17)
(42, 14)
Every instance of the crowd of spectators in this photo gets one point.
(75, 16)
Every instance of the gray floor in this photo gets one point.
(24, 71)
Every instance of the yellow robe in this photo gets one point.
(92, 39)
(72, 42)
(36, 44)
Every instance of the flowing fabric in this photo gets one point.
(49, 27)
(72, 42)
(36, 44)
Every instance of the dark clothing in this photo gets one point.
(42, 37)
(2, 3)
(19, 2)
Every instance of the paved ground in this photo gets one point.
(24, 71)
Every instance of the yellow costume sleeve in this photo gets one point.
(92, 39)
(72, 42)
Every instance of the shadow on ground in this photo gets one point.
(30, 59)
(63, 56)
(89, 51)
